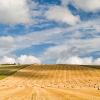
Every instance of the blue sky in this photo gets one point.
(52, 31)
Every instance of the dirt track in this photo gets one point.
(38, 82)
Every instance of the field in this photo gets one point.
(51, 82)
(6, 70)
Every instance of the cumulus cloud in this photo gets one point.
(24, 59)
(76, 60)
(69, 48)
(79, 39)
(62, 14)
(14, 11)
(55, 52)
(79, 60)
(88, 5)
(7, 60)
(97, 61)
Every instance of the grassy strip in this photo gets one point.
(7, 70)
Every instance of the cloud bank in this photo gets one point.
(23, 59)
(79, 61)
(7, 60)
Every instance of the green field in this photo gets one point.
(6, 70)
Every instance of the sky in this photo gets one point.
(50, 31)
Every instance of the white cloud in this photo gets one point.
(62, 14)
(24, 59)
(88, 5)
(14, 11)
(65, 2)
(68, 41)
(10, 43)
(79, 60)
(97, 61)
(7, 60)
(70, 48)
(76, 60)
(6, 44)
(6, 40)
(55, 52)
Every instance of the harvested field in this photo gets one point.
(52, 82)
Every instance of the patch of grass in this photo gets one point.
(7, 70)
(92, 66)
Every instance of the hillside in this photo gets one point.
(52, 82)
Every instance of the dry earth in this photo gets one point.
(52, 82)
